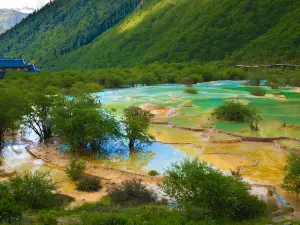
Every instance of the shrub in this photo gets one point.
(131, 192)
(273, 82)
(191, 90)
(76, 168)
(159, 214)
(46, 218)
(291, 180)
(153, 173)
(103, 219)
(9, 209)
(33, 190)
(235, 111)
(257, 91)
(88, 184)
(195, 184)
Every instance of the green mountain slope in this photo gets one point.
(63, 26)
(185, 30)
(165, 31)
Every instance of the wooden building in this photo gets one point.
(19, 64)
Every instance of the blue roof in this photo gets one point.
(12, 63)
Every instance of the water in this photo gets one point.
(284, 107)
(271, 160)
(165, 155)
(275, 112)
(16, 156)
(156, 156)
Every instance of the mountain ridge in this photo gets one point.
(9, 18)
(167, 31)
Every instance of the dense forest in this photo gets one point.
(61, 27)
(96, 34)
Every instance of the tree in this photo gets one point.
(199, 187)
(40, 102)
(273, 82)
(84, 124)
(235, 74)
(255, 77)
(148, 79)
(136, 122)
(11, 108)
(191, 79)
(291, 180)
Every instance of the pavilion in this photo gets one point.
(16, 64)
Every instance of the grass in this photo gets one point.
(106, 212)
(103, 211)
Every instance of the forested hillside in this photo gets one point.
(63, 26)
(71, 34)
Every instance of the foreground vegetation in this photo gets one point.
(196, 192)
(211, 201)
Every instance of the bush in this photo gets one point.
(257, 91)
(195, 184)
(273, 82)
(235, 111)
(191, 90)
(33, 190)
(291, 181)
(103, 219)
(160, 214)
(76, 168)
(131, 192)
(88, 184)
(9, 209)
(153, 173)
(46, 218)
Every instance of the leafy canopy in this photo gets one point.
(136, 122)
(33, 190)
(40, 102)
(198, 187)
(291, 180)
(83, 123)
(237, 112)
(11, 111)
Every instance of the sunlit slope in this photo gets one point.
(76, 34)
(61, 27)
(204, 30)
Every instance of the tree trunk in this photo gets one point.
(131, 147)
(1, 139)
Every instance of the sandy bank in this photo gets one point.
(60, 160)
